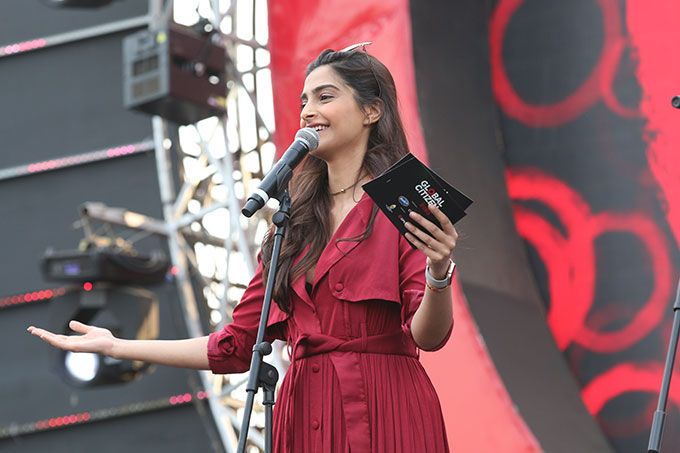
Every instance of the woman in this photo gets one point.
(352, 297)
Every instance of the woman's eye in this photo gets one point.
(325, 97)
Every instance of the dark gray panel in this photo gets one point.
(65, 100)
(23, 20)
(176, 430)
(31, 391)
(56, 102)
(39, 211)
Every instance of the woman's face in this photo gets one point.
(328, 105)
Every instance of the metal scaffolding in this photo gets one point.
(216, 162)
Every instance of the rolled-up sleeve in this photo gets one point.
(412, 286)
(230, 349)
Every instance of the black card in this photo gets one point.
(460, 199)
(409, 185)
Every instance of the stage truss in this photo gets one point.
(216, 162)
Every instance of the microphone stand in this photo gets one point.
(660, 413)
(263, 374)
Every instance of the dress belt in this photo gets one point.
(348, 370)
(308, 345)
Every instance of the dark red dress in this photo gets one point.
(355, 383)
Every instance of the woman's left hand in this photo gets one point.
(438, 245)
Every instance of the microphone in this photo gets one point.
(306, 140)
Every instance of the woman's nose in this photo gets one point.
(307, 113)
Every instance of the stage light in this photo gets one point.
(98, 264)
(82, 366)
(105, 295)
(130, 313)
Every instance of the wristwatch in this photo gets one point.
(440, 284)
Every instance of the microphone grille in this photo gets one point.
(310, 136)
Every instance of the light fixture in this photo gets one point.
(104, 264)
(82, 366)
(130, 313)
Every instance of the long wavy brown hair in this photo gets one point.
(372, 84)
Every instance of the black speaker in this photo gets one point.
(175, 73)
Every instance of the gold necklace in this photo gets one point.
(347, 188)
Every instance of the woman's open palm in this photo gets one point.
(93, 339)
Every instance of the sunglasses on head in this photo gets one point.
(354, 47)
(361, 46)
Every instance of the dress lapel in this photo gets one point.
(299, 283)
(352, 225)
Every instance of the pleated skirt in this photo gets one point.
(402, 407)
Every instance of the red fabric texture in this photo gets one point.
(355, 382)
(300, 30)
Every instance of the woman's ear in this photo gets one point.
(372, 113)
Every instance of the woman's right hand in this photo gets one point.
(93, 339)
